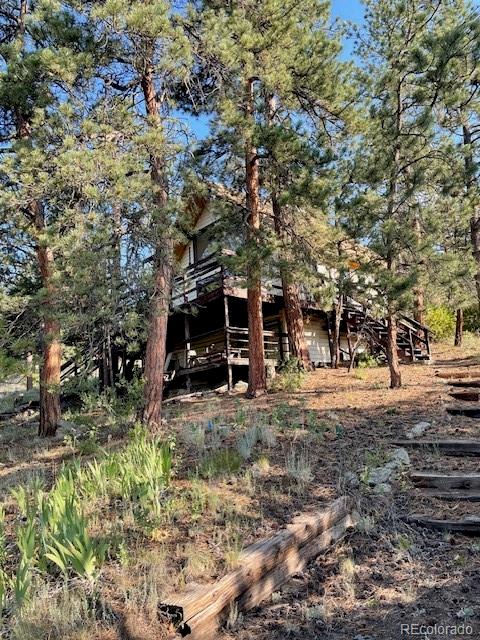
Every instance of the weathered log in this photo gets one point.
(200, 611)
(466, 396)
(445, 481)
(452, 495)
(203, 625)
(448, 375)
(446, 447)
(474, 384)
(467, 526)
(467, 410)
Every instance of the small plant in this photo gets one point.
(219, 463)
(299, 467)
(267, 436)
(289, 377)
(247, 443)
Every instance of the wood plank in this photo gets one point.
(447, 375)
(470, 395)
(445, 481)
(204, 625)
(446, 447)
(469, 527)
(453, 495)
(254, 563)
(469, 411)
(474, 384)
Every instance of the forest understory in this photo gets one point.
(241, 469)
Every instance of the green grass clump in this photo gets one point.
(220, 463)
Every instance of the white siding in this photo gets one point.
(317, 341)
(208, 216)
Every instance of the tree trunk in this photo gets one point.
(163, 270)
(337, 319)
(291, 300)
(50, 411)
(459, 328)
(52, 353)
(392, 353)
(29, 371)
(257, 379)
(291, 291)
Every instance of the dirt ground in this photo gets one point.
(384, 575)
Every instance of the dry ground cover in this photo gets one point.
(241, 470)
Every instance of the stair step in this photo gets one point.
(454, 495)
(434, 479)
(473, 384)
(467, 396)
(447, 375)
(468, 410)
(467, 526)
(445, 447)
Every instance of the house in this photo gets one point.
(207, 339)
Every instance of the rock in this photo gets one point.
(400, 457)
(222, 389)
(383, 489)
(240, 386)
(380, 475)
(352, 480)
(418, 430)
(360, 637)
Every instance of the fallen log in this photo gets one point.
(262, 567)
(446, 447)
(445, 481)
(467, 526)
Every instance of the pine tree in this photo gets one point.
(147, 55)
(279, 92)
(397, 147)
(457, 78)
(43, 53)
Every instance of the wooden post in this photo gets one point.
(349, 340)
(188, 345)
(330, 338)
(227, 342)
(412, 346)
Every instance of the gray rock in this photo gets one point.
(418, 430)
(382, 489)
(352, 480)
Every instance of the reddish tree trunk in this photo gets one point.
(50, 412)
(392, 353)
(163, 269)
(475, 219)
(337, 319)
(459, 328)
(29, 371)
(50, 367)
(291, 291)
(257, 379)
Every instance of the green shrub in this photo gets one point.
(289, 376)
(441, 321)
(471, 319)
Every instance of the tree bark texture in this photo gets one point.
(459, 328)
(257, 379)
(50, 370)
(392, 353)
(163, 270)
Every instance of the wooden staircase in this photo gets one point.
(413, 338)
